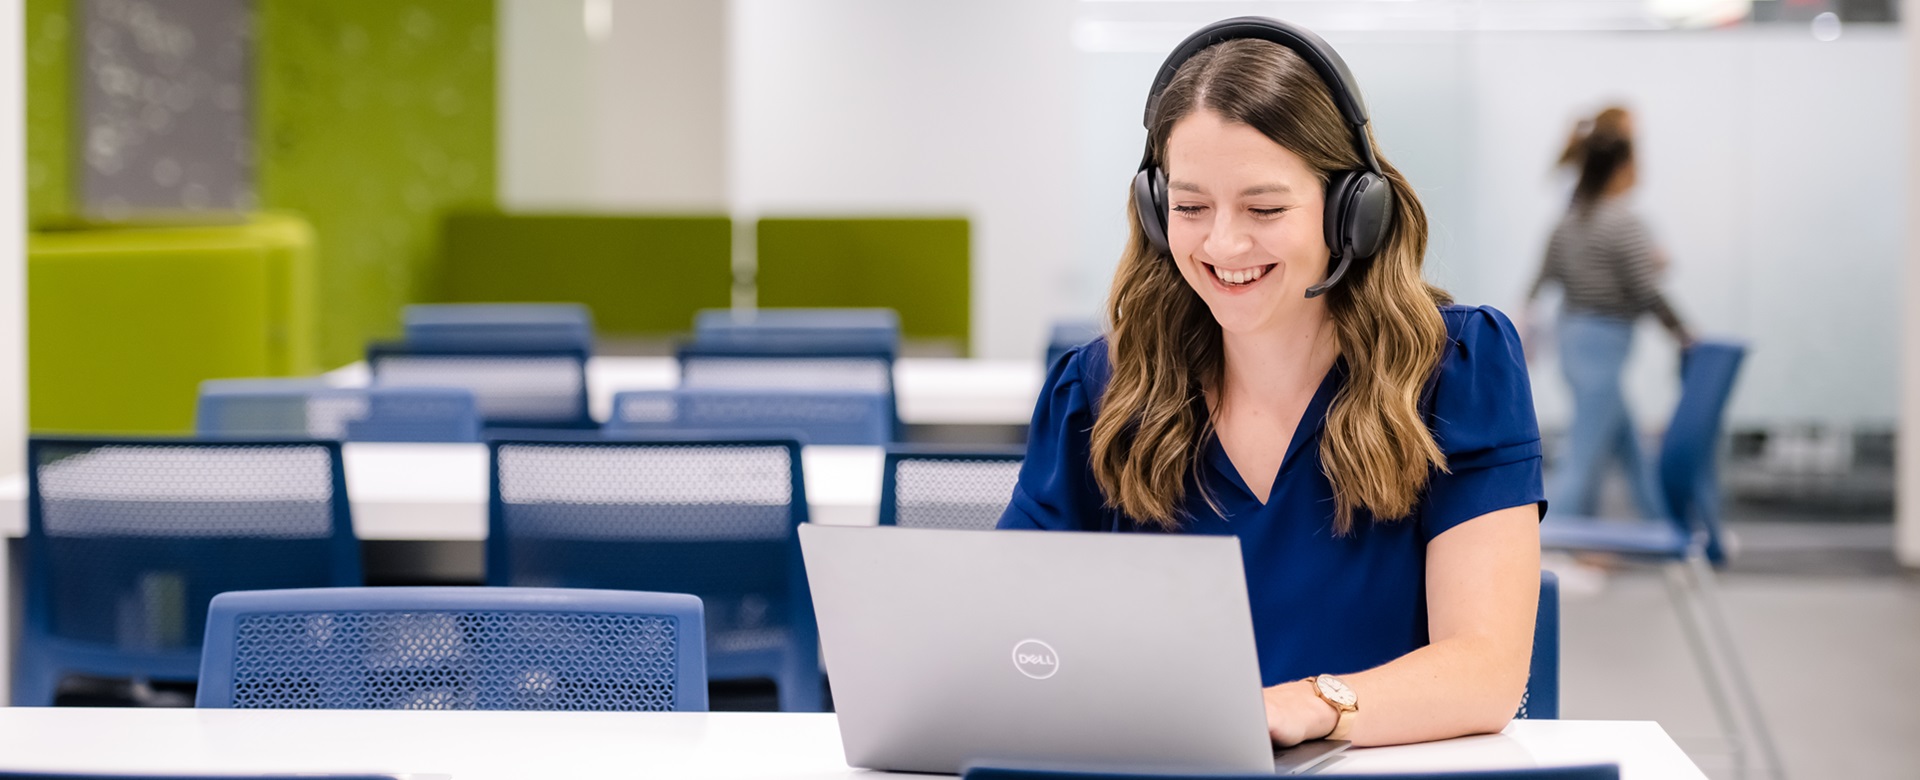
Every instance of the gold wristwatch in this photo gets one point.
(1336, 693)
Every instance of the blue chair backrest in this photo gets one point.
(781, 367)
(525, 389)
(454, 648)
(417, 414)
(294, 408)
(713, 518)
(1069, 334)
(934, 488)
(1542, 698)
(506, 327)
(858, 329)
(129, 539)
(1688, 477)
(816, 416)
(1589, 772)
(289, 407)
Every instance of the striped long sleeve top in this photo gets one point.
(1603, 258)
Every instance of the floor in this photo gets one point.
(1829, 625)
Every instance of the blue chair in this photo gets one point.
(287, 408)
(713, 518)
(458, 648)
(512, 389)
(816, 416)
(417, 414)
(1541, 701)
(501, 327)
(789, 367)
(1068, 334)
(1688, 543)
(857, 329)
(924, 487)
(1590, 772)
(128, 540)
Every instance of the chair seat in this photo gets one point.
(1592, 534)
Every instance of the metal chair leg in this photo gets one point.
(1708, 585)
(1679, 590)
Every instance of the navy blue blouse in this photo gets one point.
(1321, 603)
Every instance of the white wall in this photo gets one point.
(620, 113)
(875, 106)
(1770, 171)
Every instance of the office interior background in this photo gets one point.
(966, 164)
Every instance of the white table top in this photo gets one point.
(439, 491)
(928, 391)
(532, 745)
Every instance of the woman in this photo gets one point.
(1373, 448)
(1604, 259)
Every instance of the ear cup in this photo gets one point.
(1359, 208)
(1150, 205)
(1369, 210)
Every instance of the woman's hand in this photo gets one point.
(1295, 714)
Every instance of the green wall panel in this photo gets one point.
(375, 119)
(639, 274)
(918, 266)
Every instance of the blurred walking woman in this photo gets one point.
(1604, 259)
(1277, 370)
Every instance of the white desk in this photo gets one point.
(438, 492)
(528, 746)
(929, 391)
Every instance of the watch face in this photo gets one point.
(1335, 690)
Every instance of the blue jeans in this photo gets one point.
(1593, 353)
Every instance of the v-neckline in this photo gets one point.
(1310, 422)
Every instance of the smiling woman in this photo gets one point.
(1278, 370)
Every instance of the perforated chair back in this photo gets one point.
(1069, 334)
(781, 367)
(508, 327)
(292, 408)
(529, 389)
(128, 540)
(1689, 480)
(457, 648)
(712, 518)
(1588, 772)
(276, 407)
(1541, 701)
(929, 488)
(417, 414)
(803, 329)
(816, 416)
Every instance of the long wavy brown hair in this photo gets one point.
(1164, 344)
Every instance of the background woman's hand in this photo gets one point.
(1295, 714)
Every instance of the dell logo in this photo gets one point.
(1036, 659)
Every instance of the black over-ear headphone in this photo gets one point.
(1359, 202)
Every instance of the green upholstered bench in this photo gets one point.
(124, 322)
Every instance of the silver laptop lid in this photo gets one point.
(950, 648)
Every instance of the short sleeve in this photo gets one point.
(1480, 410)
(1056, 490)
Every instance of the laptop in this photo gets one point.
(1087, 651)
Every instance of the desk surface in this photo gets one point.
(928, 391)
(439, 491)
(531, 745)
